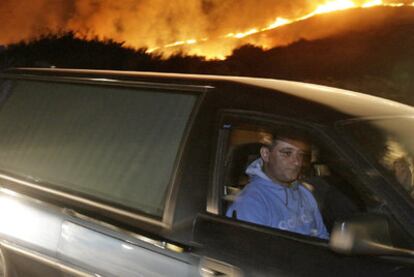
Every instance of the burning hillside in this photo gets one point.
(328, 19)
(211, 28)
(366, 55)
(334, 24)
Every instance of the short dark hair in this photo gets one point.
(286, 133)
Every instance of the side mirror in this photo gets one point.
(365, 235)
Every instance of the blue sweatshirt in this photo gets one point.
(271, 204)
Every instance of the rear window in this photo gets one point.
(116, 144)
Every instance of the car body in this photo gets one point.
(113, 173)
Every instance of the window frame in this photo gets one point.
(377, 170)
(98, 209)
(398, 201)
(263, 119)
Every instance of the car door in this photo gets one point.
(261, 251)
(116, 252)
(40, 239)
(86, 176)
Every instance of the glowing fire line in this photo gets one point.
(331, 6)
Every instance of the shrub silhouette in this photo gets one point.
(374, 62)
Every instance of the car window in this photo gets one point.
(325, 174)
(115, 144)
(388, 142)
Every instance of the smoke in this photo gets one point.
(141, 23)
(145, 23)
(23, 20)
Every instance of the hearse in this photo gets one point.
(116, 173)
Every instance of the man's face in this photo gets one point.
(283, 163)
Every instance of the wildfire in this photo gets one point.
(334, 6)
(208, 28)
(327, 7)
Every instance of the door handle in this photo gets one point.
(211, 267)
(208, 272)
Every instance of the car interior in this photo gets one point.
(336, 198)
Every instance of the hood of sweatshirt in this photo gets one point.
(255, 169)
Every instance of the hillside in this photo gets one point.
(375, 56)
(334, 23)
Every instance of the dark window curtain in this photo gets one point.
(116, 144)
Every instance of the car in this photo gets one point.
(119, 173)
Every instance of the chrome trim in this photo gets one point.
(157, 243)
(210, 267)
(84, 220)
(54, 263)
(83, 201)
(109, 82)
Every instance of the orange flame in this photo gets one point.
(329, 6)
(208, 28)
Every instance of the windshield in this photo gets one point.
(389, 142)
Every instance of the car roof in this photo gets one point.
(354, 104)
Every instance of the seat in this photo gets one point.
(335, 197)
(238, 159)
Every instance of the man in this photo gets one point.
(274, 197)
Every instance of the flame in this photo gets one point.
(242, 35)
(277, 23)
(207, 28)
(334, 6)
(327, 7)
(177, 43)
(372, 3)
